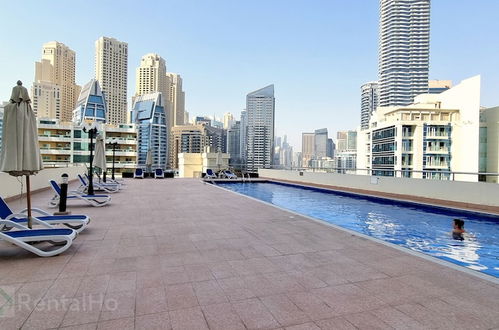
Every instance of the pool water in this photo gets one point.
(418, 227)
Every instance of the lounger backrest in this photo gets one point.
(56, 187)
(138, 171)
(5, 210)
(83, 182)
(159, 171)
(209, 171)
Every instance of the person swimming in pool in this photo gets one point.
(458, 230)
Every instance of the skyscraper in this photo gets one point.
(177, 99)
(148, 113)
(91, 105)
(228, 120)
(151, 76)
(307, 147)
(54, 90)
(320, 142)
(368, 102)
(111, 70)
(404, 50)
(260, 109)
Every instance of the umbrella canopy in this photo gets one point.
(20, 154)
(100, 153)
(149, 158)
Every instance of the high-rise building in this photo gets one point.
(330, 148)
(320, 143)
(148, 114)
(150, 76)
(177, 99)
(228, 120)
(111, 70)
(54, 90)
(244, 137)
(346, 150)
(489, 144)
(260, 110)
(368, 102)
(404, 50)
(307, 148)
(438, 86)
(234, 143)
(436, 135)
(91, 104)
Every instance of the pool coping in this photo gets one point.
(448, 264)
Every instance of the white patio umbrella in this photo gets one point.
(20, 154)
(100, 154)
(149, 159)
(219, 160)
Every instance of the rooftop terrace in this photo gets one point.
(182, 254)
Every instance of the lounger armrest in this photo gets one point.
(13, 224)
(35, 209)
(24, 216)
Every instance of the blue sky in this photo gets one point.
(317, 53)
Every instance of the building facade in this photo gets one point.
(404, 51)
(65, 143)
(177, 99)
(307, 148)
(91, 104)
(54, 92)
(260, 111)
(368, 102)
(149, 116)
(111, 70)
(489, 144)
(234, 144)
(438, 86)
(436, 135)
(320, 143)
(189, 139)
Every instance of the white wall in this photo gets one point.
(11, 186)
(481, 193)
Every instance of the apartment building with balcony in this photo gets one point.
(65, 143)
(436, 135)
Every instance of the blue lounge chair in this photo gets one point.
(210, 174)
(159, 174)
(94, 200)
(23, 236)
(229, 175)
(138, 174)
(107, 187)
(76, 222)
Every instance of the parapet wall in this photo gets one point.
(480, 196)
(11, 186)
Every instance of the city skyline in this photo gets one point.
(213, 59)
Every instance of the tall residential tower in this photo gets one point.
(404, 50)
(54, 90)
(260, 109)
(111, 70)
(177, 99)
(368, 102)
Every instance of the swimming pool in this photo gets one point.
(414, 226)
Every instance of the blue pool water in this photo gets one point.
(414, 226)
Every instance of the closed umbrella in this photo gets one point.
(149, 159)
(20, 154)
(219, 160)
(100, 155)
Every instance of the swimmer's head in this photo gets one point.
(458, 223)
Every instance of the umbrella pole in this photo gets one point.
(28, 200)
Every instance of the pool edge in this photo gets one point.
(483, 276)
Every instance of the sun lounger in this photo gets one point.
(74, 221)
(107, 187)
(138, 174)
(210, 174)
(23, 236)
(94, 200)
(159, 174)
(229, 175)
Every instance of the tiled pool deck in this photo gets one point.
(182, 254)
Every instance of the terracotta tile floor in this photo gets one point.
(181, 254)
